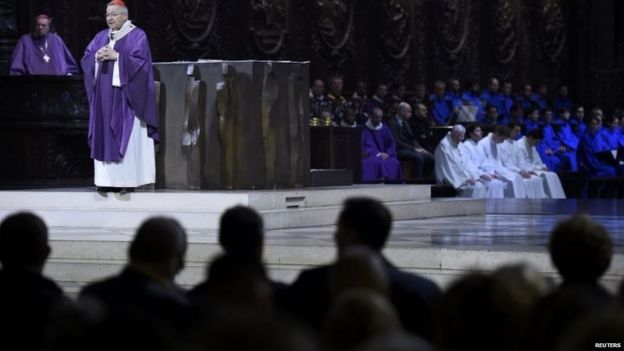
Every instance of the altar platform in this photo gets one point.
(442, 239)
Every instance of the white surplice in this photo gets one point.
(528, 159)
(452, 167)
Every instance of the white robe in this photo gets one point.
(495, 188)
(519, 188)
(452, 167)
(528, 159)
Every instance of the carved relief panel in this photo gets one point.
(191, 30)
(452, 29)
(268, 24)
(332, 37)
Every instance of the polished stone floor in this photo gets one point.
(522, 225)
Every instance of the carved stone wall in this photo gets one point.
(578, 42)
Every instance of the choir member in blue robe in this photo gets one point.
(549, 145)
(472, 98)
(379, 161)
(42, 53)
(552, 142)
(454, 94)
(612, 133)
(562, 100)
(527, 99)
(123, 123)
(578, 121)
(532, 120)
(541, 98)
(508, 100)
(567, 137)
(441, 107)
(516, 115)
(492, 95)
(490, 118)
(592, 144)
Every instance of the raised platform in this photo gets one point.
(442, 239)
(201, 209)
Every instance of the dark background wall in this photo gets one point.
(578, 42)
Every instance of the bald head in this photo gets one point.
(158, 241)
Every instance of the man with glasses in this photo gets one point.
(123, 124)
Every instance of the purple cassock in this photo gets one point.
(46, 55)
(112, 109)
(375, 168)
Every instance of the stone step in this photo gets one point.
(280, 208)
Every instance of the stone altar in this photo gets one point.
(233, 124)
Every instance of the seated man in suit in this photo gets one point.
(364, 221)
(408, 148)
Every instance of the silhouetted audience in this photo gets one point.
(143, 300)
(581, 250)
(27, 298)
(364, 221)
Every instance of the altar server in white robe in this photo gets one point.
(528, 159)
(506, 151)
(452, 167)
(487, 174)
(521, 187)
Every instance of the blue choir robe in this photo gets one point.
(441, 109)
(578, 127)
(529, 125)
(454, 99)
(540, 101)
(590, 145)
(567, 136)
(507, 103)
(567, 158)
(495, 99)
(562, 102)
(374, 142)
(527, 104)
(612, 137)
(473, 100)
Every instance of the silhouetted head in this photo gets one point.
(363, 221)
(23, 242)
(241, 230)
(581, 249)
(159, 245)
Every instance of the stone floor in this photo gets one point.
(510, 225)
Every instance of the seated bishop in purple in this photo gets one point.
(379, 161)
(42, 53)
(123, 123)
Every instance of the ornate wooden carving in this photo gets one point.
(269, 25)
(333, 28)
(191, 29)
(552, 30)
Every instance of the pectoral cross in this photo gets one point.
(46, 58)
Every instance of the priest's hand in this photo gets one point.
(383, 155)
(471, 181)
(106, 54)
(486, 177)
(525, 174)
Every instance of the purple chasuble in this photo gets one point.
(112, 109)
(375, 168)
(46, 55)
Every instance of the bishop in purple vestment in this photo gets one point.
(42, 53)
(120, 87)
(379, 161)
